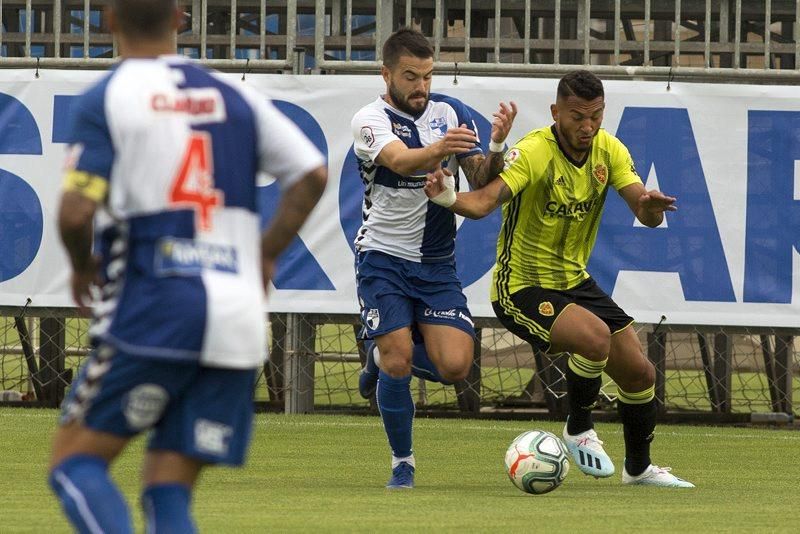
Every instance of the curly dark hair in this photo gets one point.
(405, 42)
(580, 83)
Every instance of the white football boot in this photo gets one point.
(656, 476)
(587, 451)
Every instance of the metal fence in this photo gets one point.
(710, 373)
(629, 38)
(718, 372)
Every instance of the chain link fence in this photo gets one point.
(712, 373)
(718, 372)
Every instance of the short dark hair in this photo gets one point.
(144, 18)
(405, 42)
(580, 83)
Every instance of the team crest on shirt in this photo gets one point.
(600, 173)
(401, 130)
(367, 136)
(546, 309)
(373, 318)
(439, 124)
(511, 156)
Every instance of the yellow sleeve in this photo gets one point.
(623, 171)
(523, 164)
(88, 185)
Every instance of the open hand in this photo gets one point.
(457, 141)
(657, 202)
(503, 120)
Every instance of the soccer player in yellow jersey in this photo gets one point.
(552, 190)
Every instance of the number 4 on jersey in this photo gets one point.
(194, 183)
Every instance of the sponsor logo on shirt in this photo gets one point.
(401, 130)
(186, 257)
(560, 181)
(201, 105)
(367, 136)
(576, 210)
(546, 309)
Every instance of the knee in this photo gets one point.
(599, 344)
(641, 377)
(395, 361)
(456, 367)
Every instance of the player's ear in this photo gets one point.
(386, 73)
(554, 112)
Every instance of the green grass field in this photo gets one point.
(326, 473)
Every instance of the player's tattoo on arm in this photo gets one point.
(504, 195)
(480, 169)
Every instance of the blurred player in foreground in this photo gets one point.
(553, 189)
(164, 159)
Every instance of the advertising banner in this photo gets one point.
(729, 153)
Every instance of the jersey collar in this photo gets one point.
(574, 162)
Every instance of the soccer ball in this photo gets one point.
(536, 462)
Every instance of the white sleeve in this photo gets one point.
(284, 151)
(371, 132)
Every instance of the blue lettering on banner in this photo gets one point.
(296, 268)
(21, 219)
(773, 214)
(691, 245)
(476, 240)
(657, 137)
(62, 119)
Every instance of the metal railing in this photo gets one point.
(719, 40)
(702, 372)
(629, 38)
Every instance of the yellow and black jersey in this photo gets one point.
(550, 224)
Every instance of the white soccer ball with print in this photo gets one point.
(537, 462)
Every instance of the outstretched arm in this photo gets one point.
(407, 161)
(440, 188)
(293, 210)
(480, 169)
(647, 206)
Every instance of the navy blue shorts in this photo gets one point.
(394, 293)
(205, 413)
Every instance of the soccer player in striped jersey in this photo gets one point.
(164, 157)
(412, 306)
(552, 190)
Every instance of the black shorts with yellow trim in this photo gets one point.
(530, 312)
